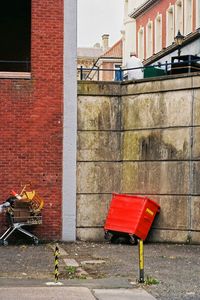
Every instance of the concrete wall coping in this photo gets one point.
(99, 88)
(143, 86)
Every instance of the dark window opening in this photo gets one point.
(15, 33)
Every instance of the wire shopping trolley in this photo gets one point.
(22, 210)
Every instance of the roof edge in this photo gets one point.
(142, 8)
(111, 48)
(190, 37)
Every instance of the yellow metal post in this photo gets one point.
(56, 273)
(141, 261)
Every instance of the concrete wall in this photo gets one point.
(140, 138)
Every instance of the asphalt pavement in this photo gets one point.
(27, 272)
(99, 271)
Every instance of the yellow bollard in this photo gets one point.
(56, 273)
(141, 261)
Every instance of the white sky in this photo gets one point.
(96, 17)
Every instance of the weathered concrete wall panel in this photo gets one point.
(196, 95)
(92, 210)
(168, 236)
(173, 214)
(155, 178)
(90, 234)
(156, 110)
(98, 113)
(98, 177)
(156, 144)
(195, 214)
(99, 146)
(196, 178)
(195, 237)
(140, 138)
(196, 143)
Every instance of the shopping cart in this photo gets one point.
(22, 210)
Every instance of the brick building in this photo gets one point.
(98, 59)
(111, 60)
(38, 102)
(86, 58)
(158, 21)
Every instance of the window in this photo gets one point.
(179, 16)
(170, 26)
(188, 17)
(158, 33)
(15, 32)
(141, 43)
(149, 39)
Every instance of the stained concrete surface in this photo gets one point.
(175, 266)
(44, 293)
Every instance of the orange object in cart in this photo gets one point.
(131, 214)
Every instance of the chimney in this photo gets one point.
(105, 42)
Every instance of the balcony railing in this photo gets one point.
(178, 65)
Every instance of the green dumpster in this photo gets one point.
(152, 71)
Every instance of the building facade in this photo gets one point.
(129, 28)
(111, 60)
(86, 58)
(158, 22)
(100, 62)
(38, 108)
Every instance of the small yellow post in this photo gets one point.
(56, 255)
(141, 261)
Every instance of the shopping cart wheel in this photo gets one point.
(108, 235)
(133, 240)
(35, 241)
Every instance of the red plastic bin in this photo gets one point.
(131, 214)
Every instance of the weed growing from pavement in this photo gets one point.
(82, 276)
(150, 281)
(71, 272)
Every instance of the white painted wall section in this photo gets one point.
(69, 122)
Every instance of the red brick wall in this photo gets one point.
(31, 119)
(194, 14)
(107, 75)
(151, 14)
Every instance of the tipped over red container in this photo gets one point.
(130, 214)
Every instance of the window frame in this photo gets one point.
(149, 38)
(188, 16)
(12, 65)
(170, 31)
(141, 43)
(179, 16)
(158, 33)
